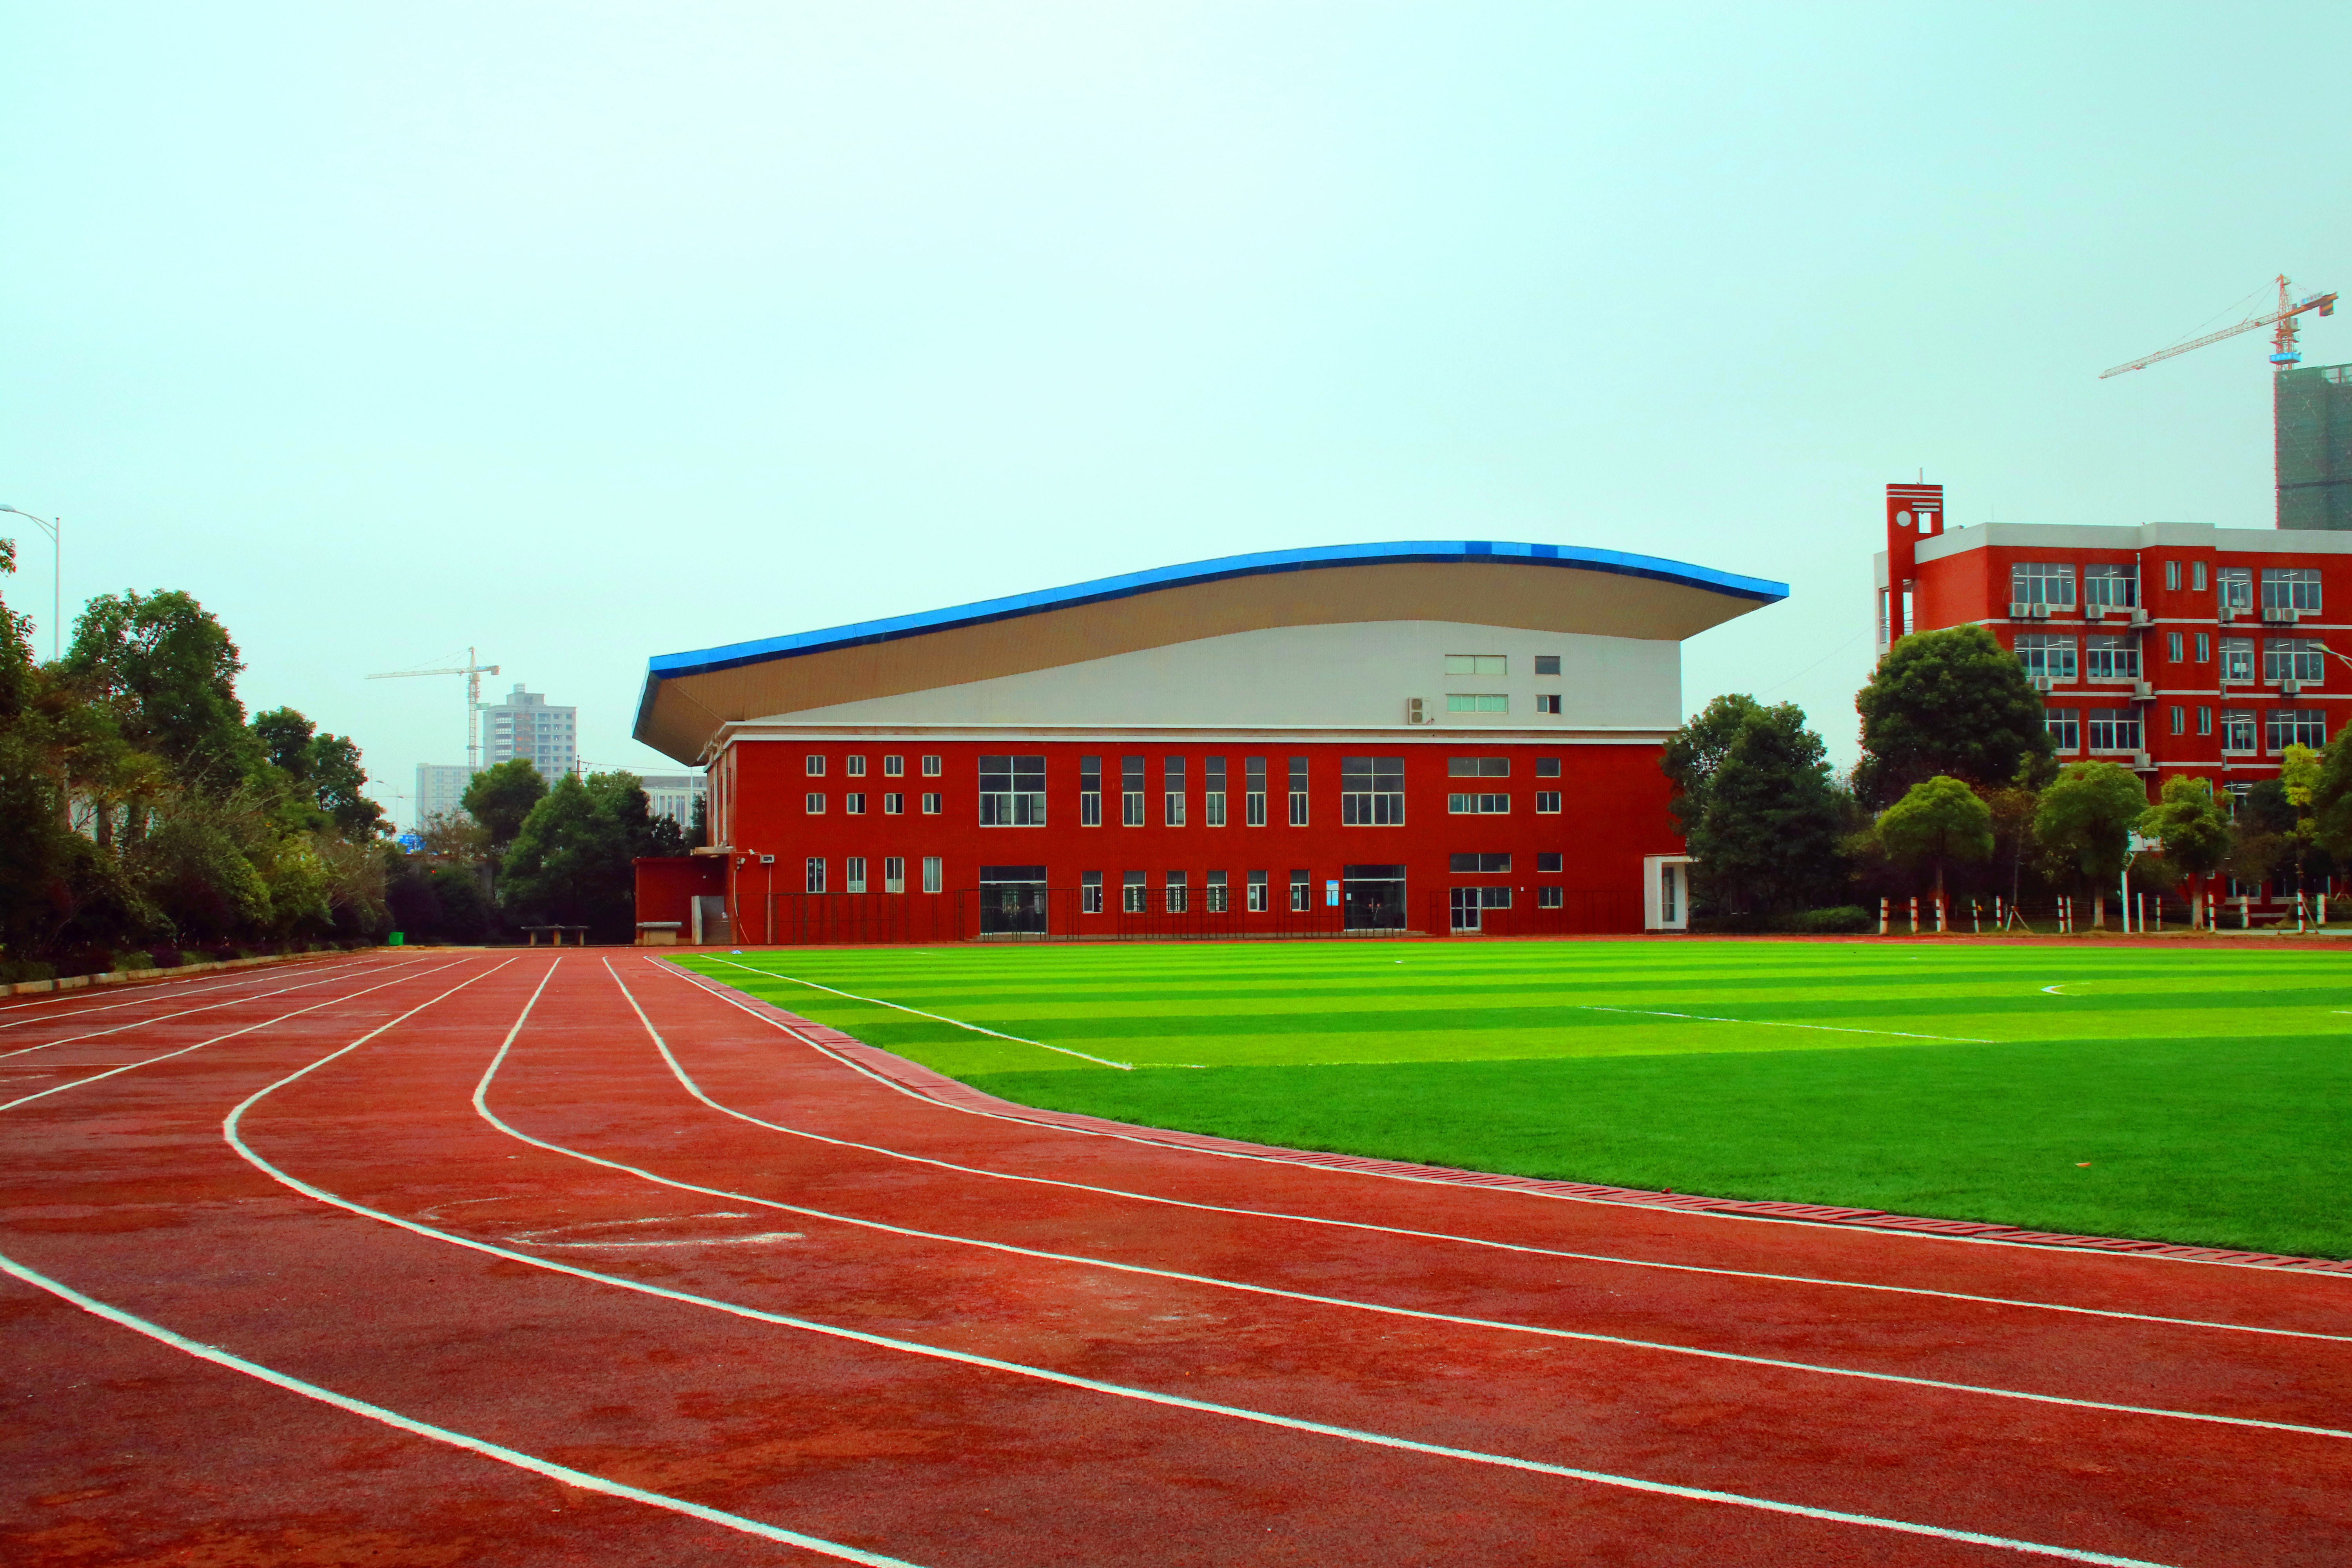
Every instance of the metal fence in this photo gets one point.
(1022, 913)
(1582, 912)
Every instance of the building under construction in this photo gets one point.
(2312, 413)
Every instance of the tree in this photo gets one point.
(1937, 821)
(2195, 833)
(320, 774)
(167, 669)
(2084, 824)
(1768, 838)
(502, 797)
(1691, 757)
(1952, 701)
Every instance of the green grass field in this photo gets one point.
(2210, 1092)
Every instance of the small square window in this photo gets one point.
(930, 767)
(854, 803)
(1547, 701)
(1476, 664)
(814, 804)
(894, 804)
(854, 766)
(930, 806)
(813, 766)
(1550, 897)
(1546, 664)
(893, 766)
(1546, 767)
(1548, 801)
(1549, 861)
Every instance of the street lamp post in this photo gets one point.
(55, 528)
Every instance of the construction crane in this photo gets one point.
(2282, 322)
(473, 669)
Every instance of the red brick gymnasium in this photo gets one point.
(1426, 736)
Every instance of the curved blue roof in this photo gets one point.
(733, 654)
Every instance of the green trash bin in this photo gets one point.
(397, 938)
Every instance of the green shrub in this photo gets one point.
(168, 957)
(1844, 919)
(16, 970)
(133, 961)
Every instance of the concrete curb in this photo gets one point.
(144, 976)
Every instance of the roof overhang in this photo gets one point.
(1539, 587)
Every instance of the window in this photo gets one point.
(2118, 588)
(1089, 791)
(2179, 720)
(2233, 587)
(893, 767)
(2041, 583)
(1012, 792)
(1371, 792)
(1479, 864)
(2065, 727)
(930, 806)
(2204, 647)
(1179, 893)
(1133, 896)
(894, 873)
(2291, 588)
(814, 804)
(2047, 657)
(934, 875)
(2295, 659)
(2237, 659)
(2204, 721)
(1216, 892)
(1302, 892)
(2297, 727)
(1478, 805)
(2237, 729)
(894, 806)
(1090, 893)
(2111, 658)
(1550, 897)
(1549, 861)
(813, 874)
(2114, 730)
(1298, 792)
(1548, 702)
(854, 803)
(1488, 702)
(2172, 646)
(1212, 793)
(813, 766)
(930, 767)
(1256, 882)
(1254, 797)
(853, 874)
(1477, 767)
(1476, 664)
(1546, 664)
(1547, 802)
(854, 766)
(1172, 791)
(2197, 576)
(1130, 792)
(1546, 767)
(2171, 575)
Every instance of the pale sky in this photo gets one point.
(584, 333)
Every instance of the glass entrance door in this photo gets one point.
(1012, 900)
(1465, 902)
(1375, 898)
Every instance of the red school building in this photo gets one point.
(1427, 736)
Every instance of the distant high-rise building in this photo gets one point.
(673, 794)
(440, 790)
(2312, 415)
(524, 726)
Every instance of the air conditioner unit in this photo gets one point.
(2290, 688)
(2229, 613)
(2041, 612)
(2141, 764)
(2143, 692)
(2139, 615)
(1416, 711)
(2041, 683)
(2280, 614)
(2094, 612)
(2019, 610)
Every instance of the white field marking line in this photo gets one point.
(1776, 1024)
(704, 983)
(159, 1018)
(409, 1423)
(696, 1089)
(148, 992)
(1621, 1342)
(216, 1040)
(918, 1012)
(531, 1238)
(1143, 1396)
(2053, 989)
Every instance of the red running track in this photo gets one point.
(528, 1258)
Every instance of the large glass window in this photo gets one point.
(1215, 891)
(1257, 884)
(2295, 659)
(1478, 663)
(1179, 893)
(2065, 726)
(853, 874)
(2233, 587)
(2047, 657)
(2238, 730)
(1477, 702)
(1298, 792)
(1467, 804)
(1212, 791)
(1090, 893)
(2237, 659)
(1371, 792)
(1089, 791)
(1254, 797)
(2114, 730)
(1130, 792)
(1302, 892)
(2291, 588)
(934, 875)
(894, 873)
(2297, 727)
(2111, 658)
(2118, 588)
(1012, 792)
(1172, 791)
(813, 874)
(1479, 864)
(1477, 767)
(1134, 897)
(2041, 583)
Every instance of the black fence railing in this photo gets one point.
(1022, 913)
(1582, 912)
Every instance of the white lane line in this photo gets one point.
(918, 1012)
(1776, 1024)
(140, 1024)
(733, 998)
(166, 990)
(2053, 989)
(216, 1040)
(409, 1423)
(229, 1131)
(1620, 1341)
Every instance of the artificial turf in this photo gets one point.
(2183, 1094)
